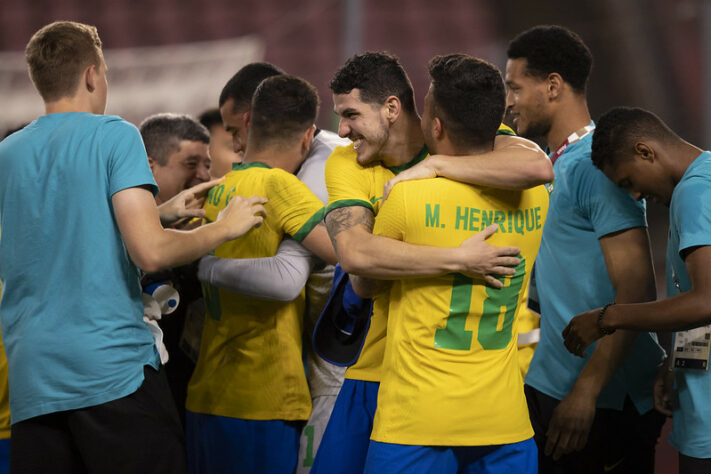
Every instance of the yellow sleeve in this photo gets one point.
(390, 221)
(296, 207)
(347, 182)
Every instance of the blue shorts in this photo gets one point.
(344, 445)
(4, 456)
(224, 444)
(516, 458)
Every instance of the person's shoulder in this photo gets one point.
(329, 139)
(343, 153)
(114, 121)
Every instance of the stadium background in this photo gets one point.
(175, 55)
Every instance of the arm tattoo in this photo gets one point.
(344, 218)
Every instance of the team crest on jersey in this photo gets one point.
(550, 186)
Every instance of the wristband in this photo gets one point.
(604, 331)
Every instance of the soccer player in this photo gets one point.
(76, 200)
(640, 154)
(601, 405)
(222, 155)
(451, 395)
(283, 276)
(248, 394)
(374, 98)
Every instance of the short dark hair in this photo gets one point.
(377, 75)
(240, 88)
(210, 118)
(283, 107)
(162, 134)
(619, 129)
(58, 53)
(469, 98)
(551, 48)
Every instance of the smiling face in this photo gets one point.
(187, 166)
(363, 123)
(526, 101)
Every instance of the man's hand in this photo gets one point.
(242, 214)
(663, 388)
(422, 170)
(186, 204)
(570, 424)
(483, 260)
(582, 331)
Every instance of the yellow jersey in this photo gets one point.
(250, 364)
(451, 374)
(350, 184)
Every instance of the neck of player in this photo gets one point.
(569, 118)
(288, 158)
(405, 141)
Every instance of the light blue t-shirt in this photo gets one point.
(571, 277)
(71, 311)
(690, 226)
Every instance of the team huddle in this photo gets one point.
(366, 301)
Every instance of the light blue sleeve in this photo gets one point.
(609, 208)
(126, 156)
(691, 210)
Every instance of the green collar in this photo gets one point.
(421, 155)
(244, 166)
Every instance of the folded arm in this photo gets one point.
(280, 278)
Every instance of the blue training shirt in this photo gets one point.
(71, 311)
(690, 226)
(571, 277)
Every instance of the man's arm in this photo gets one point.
(318, 242)
(153, 248)
(629, 265)
(515, 163)
(186, 204)
(364, 254)
(280, 278)
(684, 311)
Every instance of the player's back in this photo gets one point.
(250, 356)
(452, 374)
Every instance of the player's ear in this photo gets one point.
(437, 128)
(644, 151)
(393, 108)
(90, 78)
(554, 85)
(306, 139)
(246, 117)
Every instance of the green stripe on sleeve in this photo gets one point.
(309, 225)
(349, 203)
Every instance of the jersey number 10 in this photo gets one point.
(455, 336)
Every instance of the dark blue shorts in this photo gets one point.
(345, 443)
(224, 444)
(519, 458)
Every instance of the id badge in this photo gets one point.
(691, 348)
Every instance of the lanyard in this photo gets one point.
(574, 137)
